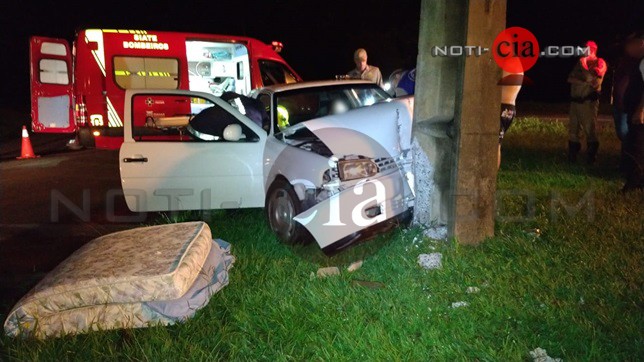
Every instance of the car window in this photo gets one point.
(182, 118)
(275, 73)
(300, 105)
(266, 102)
(146, 72)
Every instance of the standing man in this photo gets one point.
(364, 70)
(585, 86)
(623, 76)
(627, 86)
(634, 107)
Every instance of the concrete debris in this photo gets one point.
(430, 261)
(459, 304)
(437, 233)
(329, 271)
(540, 355)
(354, 266)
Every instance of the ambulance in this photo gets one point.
(80, 89)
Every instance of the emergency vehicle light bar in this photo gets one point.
(277, 46)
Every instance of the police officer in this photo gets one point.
(585, 85)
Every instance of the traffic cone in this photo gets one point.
(27, 150)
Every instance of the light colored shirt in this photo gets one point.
(370, 73)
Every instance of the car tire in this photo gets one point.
(406, 218)
(282, 205)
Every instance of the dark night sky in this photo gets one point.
(319, 37)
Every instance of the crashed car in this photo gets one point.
(328, 160)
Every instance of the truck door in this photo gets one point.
(51, 85)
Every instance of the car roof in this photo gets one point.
(312, 84)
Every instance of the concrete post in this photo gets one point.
(442, 22)
(456, 118)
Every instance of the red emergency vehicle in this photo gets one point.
(81, 89)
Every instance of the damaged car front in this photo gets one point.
(336, 177)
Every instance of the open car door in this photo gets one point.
(167, 165)
(51, 85)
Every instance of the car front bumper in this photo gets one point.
(364, 205)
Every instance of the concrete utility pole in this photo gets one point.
(456, 118)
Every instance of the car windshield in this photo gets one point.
(300, 105)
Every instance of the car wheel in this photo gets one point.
(406, 218)
(282, 205)
(86, 137)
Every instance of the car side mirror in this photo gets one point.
(233, 132)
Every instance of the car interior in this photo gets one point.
(178, 118)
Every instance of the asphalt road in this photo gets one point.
(51, 206)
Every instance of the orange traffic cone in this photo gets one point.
(27, 150)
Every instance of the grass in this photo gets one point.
(574, 288)
(549, 109)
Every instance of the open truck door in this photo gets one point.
(51, 85)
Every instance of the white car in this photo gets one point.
(331, 159)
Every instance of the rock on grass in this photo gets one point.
(541, 355)
(329, 271)
(430, 261)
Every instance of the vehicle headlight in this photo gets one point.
(355, 169)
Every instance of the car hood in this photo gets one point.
(380, 130)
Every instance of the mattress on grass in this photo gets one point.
(130, 279)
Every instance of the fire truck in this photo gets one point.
(81, 90)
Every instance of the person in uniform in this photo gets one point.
(250, 107)
(407, 83)
(364, 70)
(585, 86)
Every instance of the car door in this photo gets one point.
(164, 167)
(51, 85)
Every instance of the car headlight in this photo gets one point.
(355, 169)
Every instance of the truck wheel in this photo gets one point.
(282, 205)
(86, 137)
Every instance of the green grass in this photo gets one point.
(542, 108)
(575, 289)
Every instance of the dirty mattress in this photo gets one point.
(155, 275)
